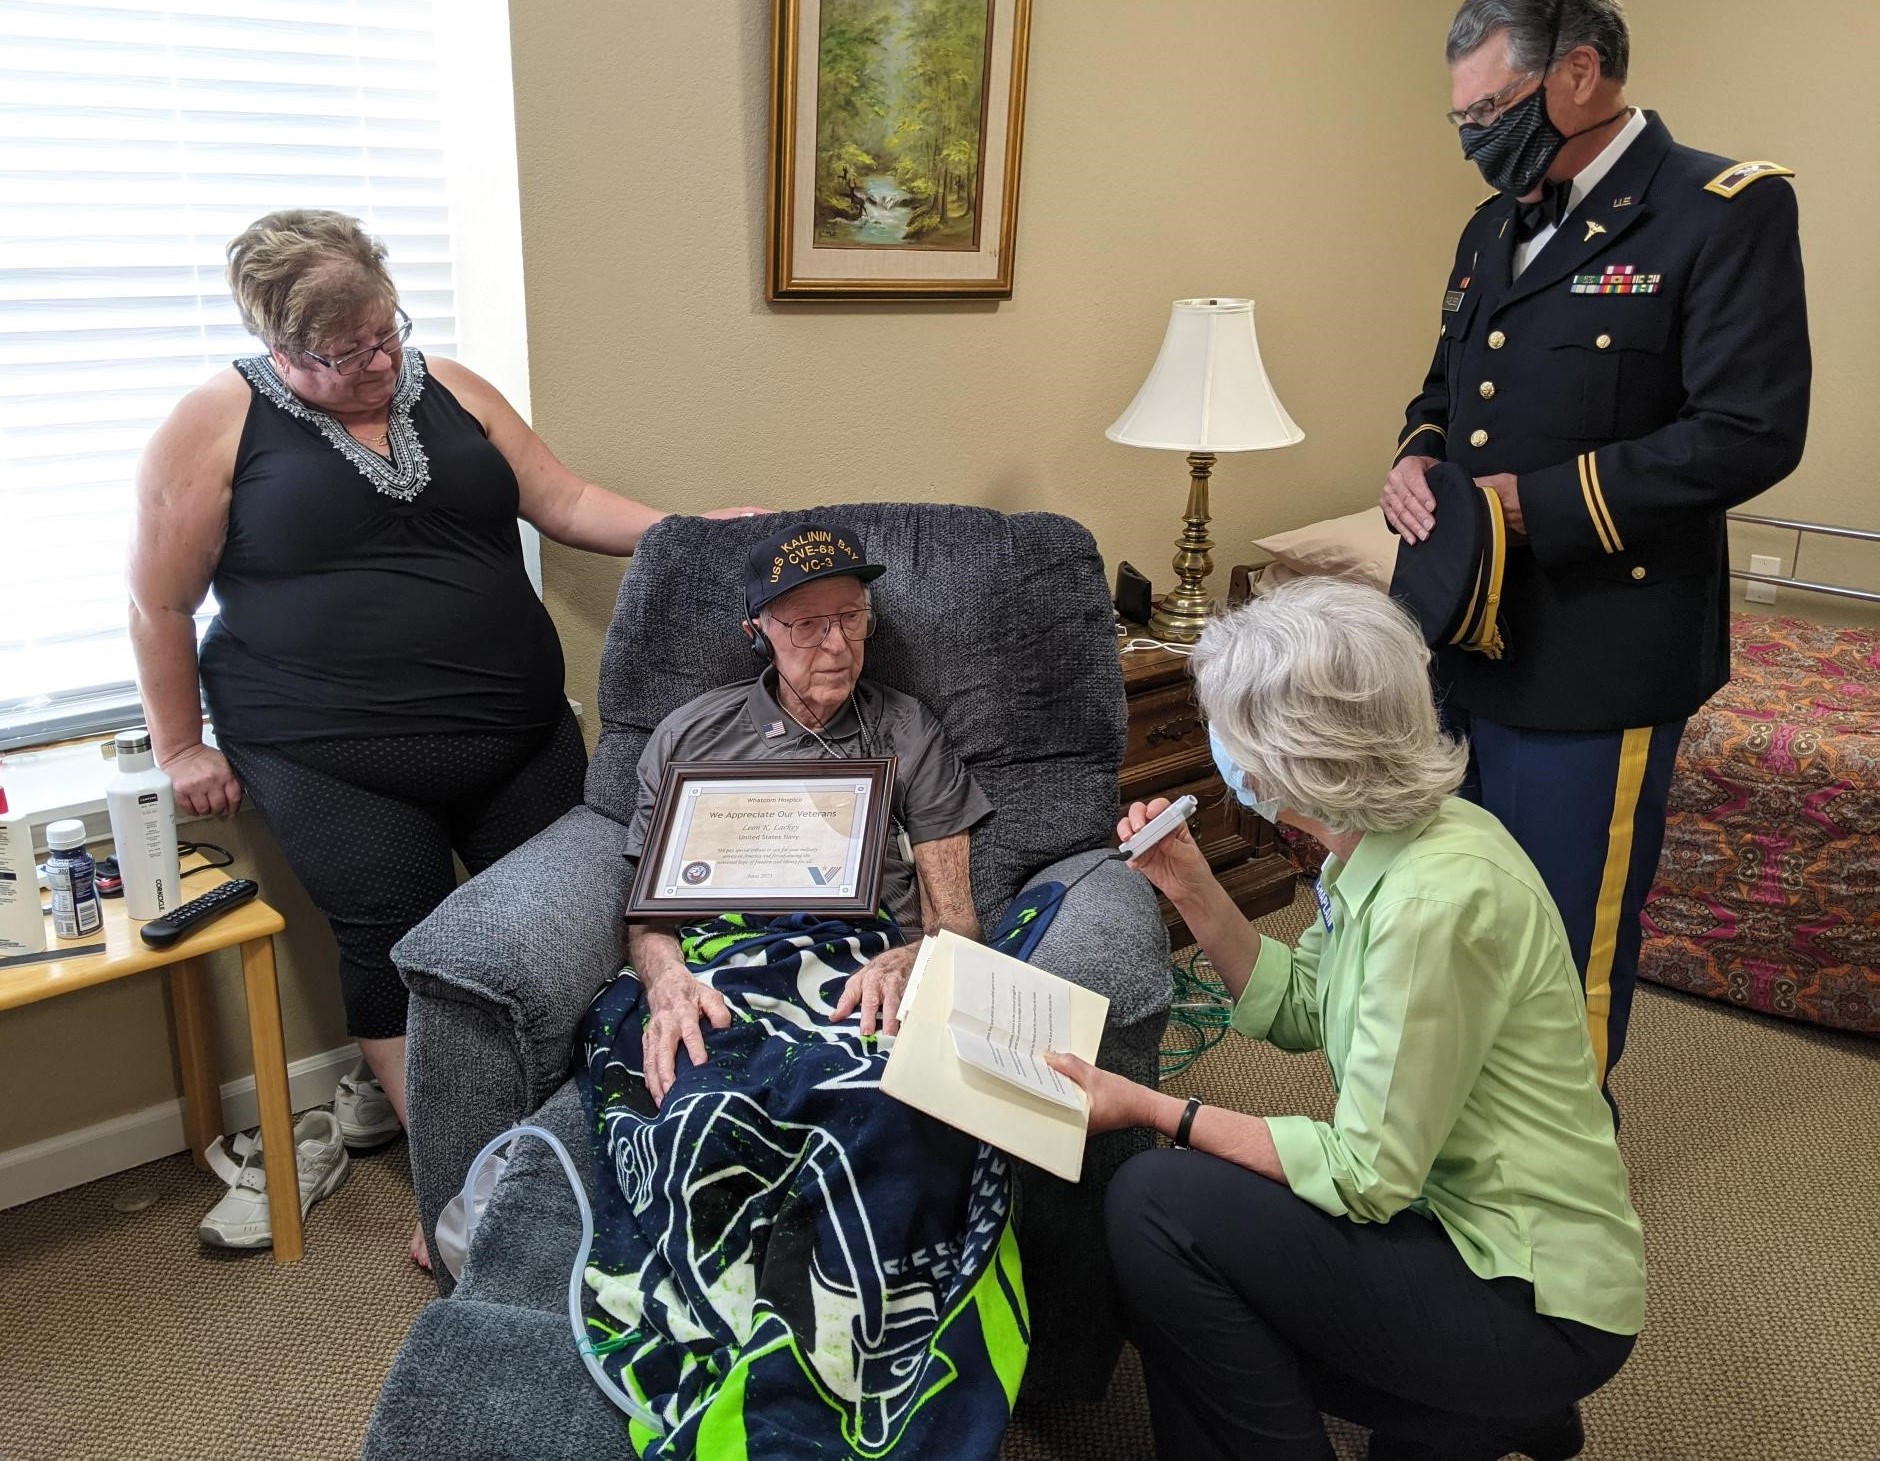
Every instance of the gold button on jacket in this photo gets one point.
(1604, 342)
(1496, 340)
(1478, 438)
(1638, 572)
(1487, 389)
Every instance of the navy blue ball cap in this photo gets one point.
(801, 555)
(1451, 581)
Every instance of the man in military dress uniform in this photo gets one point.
(1623, 358)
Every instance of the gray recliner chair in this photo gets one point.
(1002, 625)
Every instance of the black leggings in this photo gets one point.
(368, 825)
(1254, 1311)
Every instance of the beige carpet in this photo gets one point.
(1755, 1155)
(124, 1337)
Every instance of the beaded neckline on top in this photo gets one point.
(404, 471)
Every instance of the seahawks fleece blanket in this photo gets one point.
(788, 1263)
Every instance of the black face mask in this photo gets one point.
(1516, 149)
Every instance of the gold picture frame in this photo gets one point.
(766, 837)
(895, 133)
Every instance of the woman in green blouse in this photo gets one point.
(1452, 1259)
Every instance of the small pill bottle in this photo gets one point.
(73, 877)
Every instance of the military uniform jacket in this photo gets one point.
(1647, 372)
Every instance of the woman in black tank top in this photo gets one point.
(383, 680)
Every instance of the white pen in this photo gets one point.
(1166, 821)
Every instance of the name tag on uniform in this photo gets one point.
(1325, 904)
(1452, 301)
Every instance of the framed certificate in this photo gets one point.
(765, 837)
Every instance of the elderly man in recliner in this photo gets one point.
(783, 1250)
(809, 619)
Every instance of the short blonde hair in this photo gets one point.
(1320, 691)
(304, 276)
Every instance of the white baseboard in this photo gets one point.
(76, 1157)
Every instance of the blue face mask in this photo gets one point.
(1236, 779)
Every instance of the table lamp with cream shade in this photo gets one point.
(1207, 393)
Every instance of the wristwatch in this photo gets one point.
(1187, 1122)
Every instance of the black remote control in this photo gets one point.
(160, 933)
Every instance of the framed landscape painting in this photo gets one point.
(894, 131)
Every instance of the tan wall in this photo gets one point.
(1294, 152)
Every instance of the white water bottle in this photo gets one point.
(142, 805)
(22, 925)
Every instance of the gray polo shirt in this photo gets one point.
(934, 794)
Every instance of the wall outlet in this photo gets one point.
(1762, 593)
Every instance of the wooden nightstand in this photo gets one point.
(1167, 755)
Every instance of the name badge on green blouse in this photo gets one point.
(1325, 904)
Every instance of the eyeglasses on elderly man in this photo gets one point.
(808, 632)
(1481, 112)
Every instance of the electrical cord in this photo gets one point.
(1198, 1016)
(111, 878)
(1140, 643)
(1115, 855)
(1050, 905)
(210, 851)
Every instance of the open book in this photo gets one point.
(975, 1027)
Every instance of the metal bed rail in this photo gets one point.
(1798, 527)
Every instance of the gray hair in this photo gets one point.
(303, 276)
(1530, 25)
(1320, 692)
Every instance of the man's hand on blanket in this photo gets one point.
(876, 989)
(677, 1003)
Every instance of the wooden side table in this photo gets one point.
(1168, 755)
(252, 926)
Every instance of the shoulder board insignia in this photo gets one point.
(1732, 180)
(1486, 201)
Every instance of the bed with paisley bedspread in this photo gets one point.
(1768, 892)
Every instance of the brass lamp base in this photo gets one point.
(1182, 611)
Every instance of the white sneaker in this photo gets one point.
(365, 1114)
(240, 1219)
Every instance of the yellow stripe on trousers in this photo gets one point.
(1634, 749)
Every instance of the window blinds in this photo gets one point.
(135, 140)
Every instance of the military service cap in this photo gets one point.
(801, 555)
(1451, 581)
